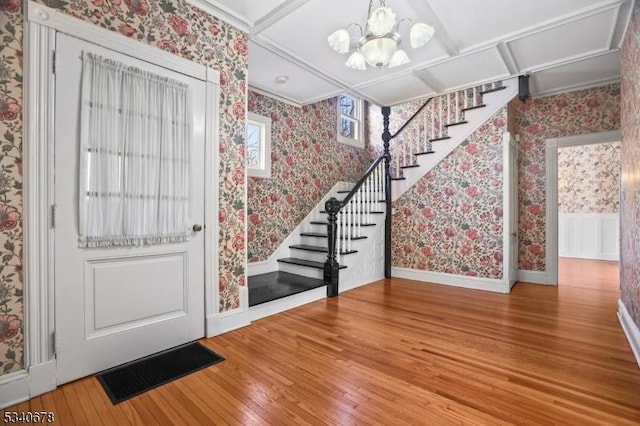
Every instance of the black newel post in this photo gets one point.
(331, 267)
(386, 138)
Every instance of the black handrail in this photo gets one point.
(333, 206)
(358, 185)
(411, 119)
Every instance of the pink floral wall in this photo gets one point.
(306, 161)
(589, 178)
(11, 286)
(172, 25)
(630, 197)
(451, 220)
(567, 114)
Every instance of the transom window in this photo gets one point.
(350, 121)
(258, 146)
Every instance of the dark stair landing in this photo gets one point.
(276, 285)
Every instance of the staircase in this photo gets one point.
(358, 230)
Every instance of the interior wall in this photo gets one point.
(306, 162)
(567, 114)
(172, 25)
(630, 191)
(451, 220)
(589, 178)
(11, 283)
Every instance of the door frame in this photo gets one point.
(551, 214)
(41, 25)
(510, 209)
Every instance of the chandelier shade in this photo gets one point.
(379, 43)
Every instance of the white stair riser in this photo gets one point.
(305, 271)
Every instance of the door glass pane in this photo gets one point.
(254, 145)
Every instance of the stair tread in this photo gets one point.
(440, 139)
(457, 123)
(276, 285)
(473, 107)
(319, 222)
(398, 178)
(410, 166)
(304, 262)
(319, 249)
(495, 89)
(424, 153)
(324, 235)
(376, 212)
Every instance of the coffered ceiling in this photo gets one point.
(562, 44)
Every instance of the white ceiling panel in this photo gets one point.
(602, 68)
(475, 42)
(479, 67)
(577, 38)
(302, 85)
(251, 10)
(472, 22)
(397, 90)
(303, 34)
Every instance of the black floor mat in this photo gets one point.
(136, 377)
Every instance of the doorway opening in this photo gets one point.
(588, 185)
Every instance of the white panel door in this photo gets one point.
(117, 304)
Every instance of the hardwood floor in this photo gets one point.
(400, 352)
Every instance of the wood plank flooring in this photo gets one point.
(401, 352)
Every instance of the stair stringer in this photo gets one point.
(283, 250)
(475, 118)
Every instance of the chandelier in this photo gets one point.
(379, 42)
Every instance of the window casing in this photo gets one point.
(258, 146)
(350, 114)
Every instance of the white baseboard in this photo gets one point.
(14, 388)
(42, 378)
(535, 277)
(280, 305)
(230, 320)
(487, 284)
(630, 330)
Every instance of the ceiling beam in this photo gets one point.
(507, 58)
(289, 6)
(443, 36)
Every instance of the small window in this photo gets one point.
(258, 148)
(350, 121)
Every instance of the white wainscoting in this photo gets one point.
(589, 235)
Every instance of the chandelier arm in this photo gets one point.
(353, 24)
(409, 20)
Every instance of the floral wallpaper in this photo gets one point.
(583, 111)
(11, 286)
(589, 178)
(630, 196)
(171, 25)
(306, 161)
(451, 220)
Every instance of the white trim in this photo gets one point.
(589, 235)
(38, 193)
(224, 13)
(551, 191)
(233, 319)
(463, 281)
(630, 330)
(40, 29)
(272, 95)
(264, 123)
(42, 378)
(14, 388)
(506, 207)
(262, 267)
(280, 305)
(535, 277)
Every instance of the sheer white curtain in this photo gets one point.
(136, 134)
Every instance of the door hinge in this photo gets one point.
(54, 341)
(54, 210)
(54, 60)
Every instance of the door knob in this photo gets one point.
(197, 228)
